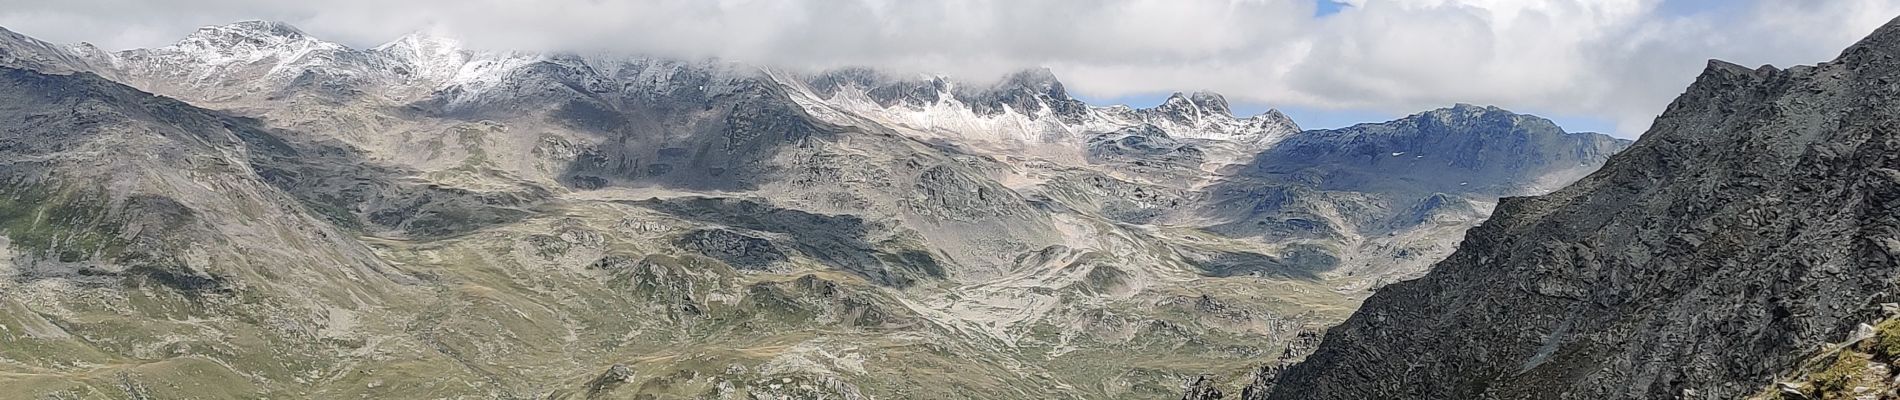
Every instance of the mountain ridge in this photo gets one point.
(1754, 223)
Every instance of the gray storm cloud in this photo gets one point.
(1618, 60)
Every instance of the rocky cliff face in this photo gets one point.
(1757, 220)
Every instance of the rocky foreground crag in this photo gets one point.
(1757, 221)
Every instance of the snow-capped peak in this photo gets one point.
(251, 29)
(237, 60)
(426, 55)
(1211, 102)
(421, 43)
(1040, 80)
(1192, 109)
(1205, 115)
(1029, 106)
(213, 51)
(249, 41)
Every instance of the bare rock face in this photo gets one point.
(1758, 219)
(740, 250)
(1202, 388)
(1296, 350)
(1144, 146)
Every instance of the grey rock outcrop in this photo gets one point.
(1758, 219)
(1202, 388)
(1264, 378)
(1145, 147)
(738, 249)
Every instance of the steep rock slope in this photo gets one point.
(1757, 220)
(139, 240)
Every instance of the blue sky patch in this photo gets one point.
(1329, 7)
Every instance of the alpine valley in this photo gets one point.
(254, 212)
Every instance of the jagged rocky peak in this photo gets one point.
(250, 29)
(1033, 93)
(1201, 103)
(827, 83)
(1030, 92)
(1212, 106)
(1211, 101)
(1274, 116)
(235, 60)
(1756, 222)
(1036, 80)
(883, 89)
(1207, 115)
(249, 38)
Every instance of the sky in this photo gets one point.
(1592, 65)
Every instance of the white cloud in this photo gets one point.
(1620, 60)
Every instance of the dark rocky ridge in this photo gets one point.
(1497, 152)
(837, 240)
(1757, 219)
(1143, 146)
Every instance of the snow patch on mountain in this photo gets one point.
(256, 50)
(1031, 108)
(945, 116)
(426, 57)
(260, 57)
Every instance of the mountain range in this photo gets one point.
(256, 212)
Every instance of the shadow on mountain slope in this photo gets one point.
(841, 241)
